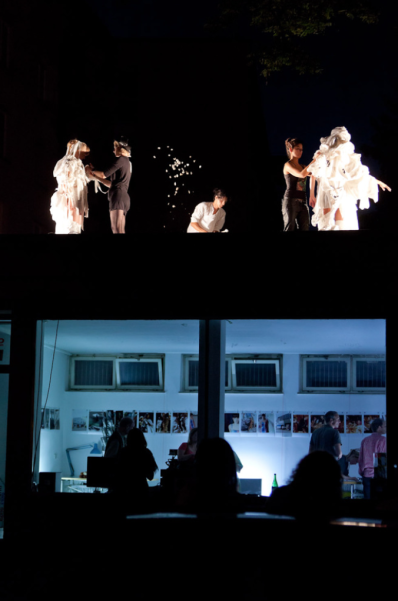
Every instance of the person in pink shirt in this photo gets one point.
(187, 450)
(375, 443)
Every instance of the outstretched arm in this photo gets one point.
(296, 172)
(383, 186)
(100, 177)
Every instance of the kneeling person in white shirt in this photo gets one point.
(209, 217)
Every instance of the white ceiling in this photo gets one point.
(242, 336)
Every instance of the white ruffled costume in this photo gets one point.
(69, 205)
(342, 181)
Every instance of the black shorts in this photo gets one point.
(119, 200)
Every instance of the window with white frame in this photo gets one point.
(136, 372)
(141, 373)
(191, 373)
(343, 373)
(369, 374)
(92, 373)
(256, 374)
(247, 373)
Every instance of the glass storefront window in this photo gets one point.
(94, 373)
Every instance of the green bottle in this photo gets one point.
(274, 484)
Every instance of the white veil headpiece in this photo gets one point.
(339, 139)
(73, 149)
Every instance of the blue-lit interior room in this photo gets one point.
(281, 377)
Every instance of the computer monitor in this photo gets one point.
(101, 472)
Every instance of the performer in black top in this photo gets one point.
(294, 203)
(119, 174)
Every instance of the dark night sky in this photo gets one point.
(358, 62)
(358, 77)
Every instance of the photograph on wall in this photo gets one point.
(354, 424)
(118, 418)
(163, 423)
(340, 429)
(146, 422)
(301, 423)
(45, 419)
(283, 423)
(180, 423)
(54, 419)
(96, 421)
(132, 415)
(367, 422)
(266, 422)
(193, 420)
(317, 421)
(79, 420)
(110, 416)
(249, 422)
(231, 423)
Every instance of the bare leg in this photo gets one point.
(337, 217)
(118, 222)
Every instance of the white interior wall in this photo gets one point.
(261, 455)
(52, 447)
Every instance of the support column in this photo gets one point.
(20, 423)
(211, 378)
(391, 405)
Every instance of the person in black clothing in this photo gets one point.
(116, 441)
(327, 437)
(136, 465)
(119, 174)
(294, 203)
(313, 492)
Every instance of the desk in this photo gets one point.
(77, 485)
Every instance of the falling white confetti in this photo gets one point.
(177, 168)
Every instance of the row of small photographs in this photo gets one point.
(147, 421)
(253, 422)
(50, 419)
(287, 422)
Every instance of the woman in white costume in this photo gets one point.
(342, 181)
(209, 217)
(69, 205)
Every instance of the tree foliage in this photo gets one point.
(284, 26)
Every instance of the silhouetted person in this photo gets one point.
(314, 491)
(136, 464)
(351, 458)
(327, 437)
(216, 477)
(116, 441)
